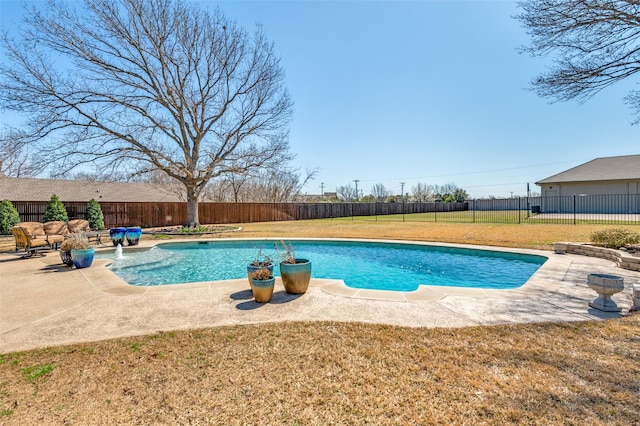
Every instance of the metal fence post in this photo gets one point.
(473, 206)
(574, 209)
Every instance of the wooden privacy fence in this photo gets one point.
(149, 214)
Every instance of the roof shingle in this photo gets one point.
(32, 189)
(626, 167)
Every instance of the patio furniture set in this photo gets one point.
(36, 237)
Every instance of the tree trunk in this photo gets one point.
(192, 220)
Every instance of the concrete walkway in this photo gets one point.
(43, 303)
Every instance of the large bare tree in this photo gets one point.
(15, 157)
(347, 193)
(596, 43)
(423, 192)
(147, 85)
(379, 192)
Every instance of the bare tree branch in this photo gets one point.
(596, 43)
(147, 84)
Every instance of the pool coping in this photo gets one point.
(543, 280)
(45, 303)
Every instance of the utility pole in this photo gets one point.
(356, 181)
(322, 190)
(402, 195)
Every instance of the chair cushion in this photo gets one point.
(35, 229)
(56, 228)
(55, 239)
(78, 225)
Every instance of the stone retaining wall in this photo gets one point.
(622, 259)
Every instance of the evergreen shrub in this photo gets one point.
(55, 210)
(94, 215)
(8, 216)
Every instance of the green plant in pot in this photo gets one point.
(81, 250)
(262, 284)
(295, 272)
(259, 262)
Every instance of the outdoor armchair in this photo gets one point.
(31, 244)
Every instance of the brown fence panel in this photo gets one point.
(149, 214)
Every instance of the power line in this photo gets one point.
(476, 172)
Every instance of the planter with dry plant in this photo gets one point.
(262, 284)
(81, 250)
(295, 272)
(261, 261)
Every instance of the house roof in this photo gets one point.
(626, 167)
(30, 189)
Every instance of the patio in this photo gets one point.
(43, 303)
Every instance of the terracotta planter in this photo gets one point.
(262, 289)
(82, 258)
(296, 276)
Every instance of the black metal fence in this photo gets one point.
(614, 209)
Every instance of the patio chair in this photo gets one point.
(55, 232)
(82, 225)
(32, 245)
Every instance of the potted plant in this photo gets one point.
(259, 262)
(117, 235)
(262, 284)
(295, 272)
(133, 235)
(65, 250)
(81, 250)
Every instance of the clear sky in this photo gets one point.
(424, 91)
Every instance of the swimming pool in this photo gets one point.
(361, 264)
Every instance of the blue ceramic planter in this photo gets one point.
(296, 276)
(262, 289)
(133, 235)
(117, 235)
(82, 258)
(251, 269)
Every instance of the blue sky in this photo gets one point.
(425, 91)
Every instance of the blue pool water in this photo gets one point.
(373, 265)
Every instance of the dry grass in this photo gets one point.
(330, 373)
(335, 373)
(532, 236)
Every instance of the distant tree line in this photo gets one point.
(421, 192)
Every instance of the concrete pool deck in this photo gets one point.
(43, 303)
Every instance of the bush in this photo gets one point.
(94, 215)
(55, 210)
(8, 216)
(615, 238)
